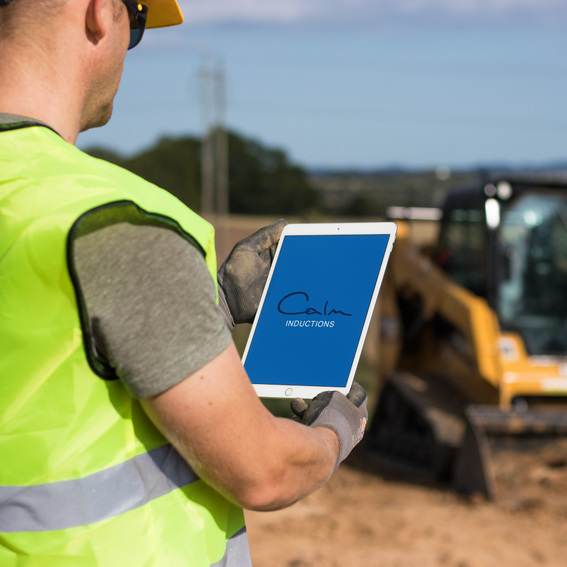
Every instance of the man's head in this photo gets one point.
(70, 53)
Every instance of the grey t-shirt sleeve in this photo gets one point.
(151, 306)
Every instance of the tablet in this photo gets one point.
(316, 307)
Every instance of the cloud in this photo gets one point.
(251, 11)
(376, 12)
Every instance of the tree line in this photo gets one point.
(262, 180)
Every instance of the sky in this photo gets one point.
(359, 83)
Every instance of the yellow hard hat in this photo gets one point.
(163, 13)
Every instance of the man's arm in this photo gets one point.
(150, 303)
(216, 421)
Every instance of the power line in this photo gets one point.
(385, 115)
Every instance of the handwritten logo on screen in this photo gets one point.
(299, 303)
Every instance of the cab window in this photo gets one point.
(461, 252)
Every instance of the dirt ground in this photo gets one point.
(361, 519)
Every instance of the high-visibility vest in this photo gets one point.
(85, 478)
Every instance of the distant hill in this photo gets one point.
(368, 193)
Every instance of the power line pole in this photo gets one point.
(221, 142)
(207, 148)
(214, 158)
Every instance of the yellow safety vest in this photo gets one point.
(85, 478)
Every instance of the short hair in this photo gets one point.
(24, 16)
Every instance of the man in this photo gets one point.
(129, 431)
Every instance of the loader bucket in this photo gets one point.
(474, 468)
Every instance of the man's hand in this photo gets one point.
(345, 416)
(243, 275)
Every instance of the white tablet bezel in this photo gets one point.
(379, 228)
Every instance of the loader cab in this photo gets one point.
(531, 257)
(506, 241)
(461, 250)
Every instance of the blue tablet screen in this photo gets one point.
(315, 309)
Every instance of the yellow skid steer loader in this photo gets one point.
(473, 335)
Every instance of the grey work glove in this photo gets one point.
(243, 275)
(346, 416)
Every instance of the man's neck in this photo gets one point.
(36, 85)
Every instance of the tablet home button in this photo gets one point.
(289, 392)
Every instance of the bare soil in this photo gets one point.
(361, 519)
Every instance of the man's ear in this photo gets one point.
(96, 25)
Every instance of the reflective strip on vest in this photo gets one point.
(105, 494)
(237, 552)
